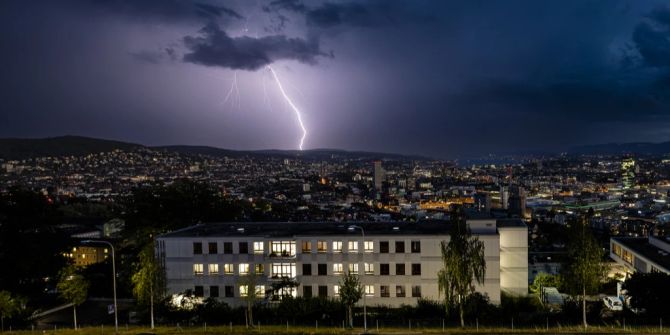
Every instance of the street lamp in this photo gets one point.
(365, 311)
(116, 316)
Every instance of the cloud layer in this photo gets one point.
(215, 48)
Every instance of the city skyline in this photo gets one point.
(431, 78)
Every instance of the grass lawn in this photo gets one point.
(330, 330)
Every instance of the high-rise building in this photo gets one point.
(378, 176)
(628, 173)
(504, 197)
(517, 201)
(482, 201)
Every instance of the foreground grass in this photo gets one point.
(220, 330)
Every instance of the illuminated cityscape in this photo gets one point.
(334, 167)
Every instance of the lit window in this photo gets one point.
(353, 268)
(369, 268)
(283, 270)
(258, 247)
(244, 291)
(369, 290)
(259, 269)
(244, 268)
(282, 248)
(321, 246)
(369, 246)
(198, 269)
(228, 269)
(336, 290)
(337, 246)
(338, 268)
(353, 246)
(213, 269)
(260, 291)
(306, 247)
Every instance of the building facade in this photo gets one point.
(641, 254)
(397, 262)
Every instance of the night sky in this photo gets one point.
(439, 78)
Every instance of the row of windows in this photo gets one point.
(289, 269)
(288, 248)
(322, 291)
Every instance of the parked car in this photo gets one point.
(613, 303)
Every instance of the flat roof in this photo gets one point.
(511, 222)
(642, 247)
(289, 229)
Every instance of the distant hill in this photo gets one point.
(20, 148)
(642, 148)
(315, 154)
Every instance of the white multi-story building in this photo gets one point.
(397, 262)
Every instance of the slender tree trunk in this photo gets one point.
(350, 316)
(75, 316)
(460, 308)
(584, 306)
(250, 313)
(151, 308)
(2, 320)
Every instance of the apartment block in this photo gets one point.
(397, 262)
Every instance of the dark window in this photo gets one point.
(416, 247)
(323, 291)
(384, 291)
(307, 291)
(400, 291)
(400, 247)
(416, 291)
(199, 291)
(197, 248)
(323, 270)
(214, 291)
(244, 247)
(384, 269)
(400, 269)
(416, 269)
(230, 291)
(227, 247)
(384, 247)
(307, 269)
(213, 248)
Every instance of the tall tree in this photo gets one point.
(9, 306)
(463, 264)
(250, 284)
(584, 269)
(73, 288)
(148, 279)
(351, 291)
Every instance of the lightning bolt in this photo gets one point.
(234, 92)
(290, 102)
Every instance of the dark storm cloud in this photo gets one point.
(652, 38)
(352, 14)
(216, 48)
(164, 9)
